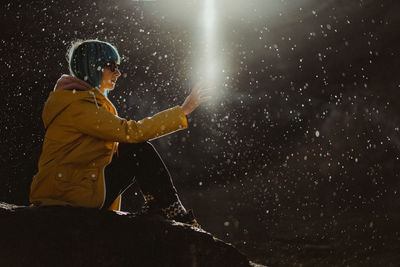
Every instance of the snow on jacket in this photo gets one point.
(82, 134)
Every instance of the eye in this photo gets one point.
(112, 66)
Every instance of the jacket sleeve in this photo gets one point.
(98, 122)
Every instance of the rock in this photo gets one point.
(66, 236)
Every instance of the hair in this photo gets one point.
(86, 59)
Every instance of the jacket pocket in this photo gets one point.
(90, 174)
(77, 176)
(64, 174)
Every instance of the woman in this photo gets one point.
(81, 162)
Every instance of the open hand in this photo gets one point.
(198, 95)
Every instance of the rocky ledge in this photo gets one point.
(66, 236)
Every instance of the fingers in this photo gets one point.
(202, 85)
(205, 99)
(206, 92)
(199, 85)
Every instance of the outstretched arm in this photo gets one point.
(85, 117)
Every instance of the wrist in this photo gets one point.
(185, 111)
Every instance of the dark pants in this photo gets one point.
(142, 163)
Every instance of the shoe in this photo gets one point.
(149, 208)
(173, 212)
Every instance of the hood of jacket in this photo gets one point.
(67, 90)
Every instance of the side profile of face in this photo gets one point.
(109, 77)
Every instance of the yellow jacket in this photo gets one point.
(82, 134)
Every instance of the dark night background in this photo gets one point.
(295, 161)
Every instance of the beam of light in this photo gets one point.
(210, 64)
(206, 62)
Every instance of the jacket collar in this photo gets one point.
(67, 82)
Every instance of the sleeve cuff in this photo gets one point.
(184, 121)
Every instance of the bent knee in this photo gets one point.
(145, 147)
